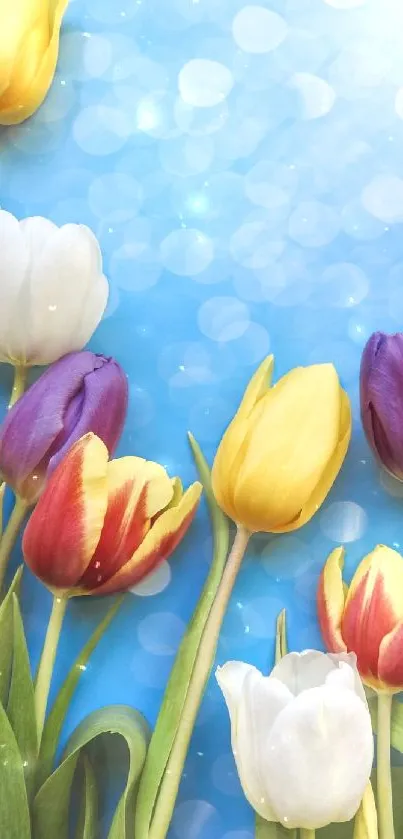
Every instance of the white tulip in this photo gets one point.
(52, 289)
(301, 737)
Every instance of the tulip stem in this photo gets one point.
(10, 534)
(173, 772)
(306, 833)
(19, 384)
(46, 664)
(384, 772)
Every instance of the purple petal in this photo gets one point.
(79, 393)
(381, 388)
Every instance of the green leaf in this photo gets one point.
(21, 703)
(6, 635)
(281, 637)
(175, 693)
(271, 830)
(52, 802)
(14, 810)
(88, 817)
(55, 720)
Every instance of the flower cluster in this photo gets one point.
(97, 525)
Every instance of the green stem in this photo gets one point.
(384, 772)
(46, 664)
(19, 384)
(10, 535)
(173, 772)
(305, 833)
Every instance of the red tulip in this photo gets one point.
(99, 527)
(367, 617)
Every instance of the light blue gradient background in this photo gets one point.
(271, 221)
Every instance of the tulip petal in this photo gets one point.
(64, 529)
(257, 387)
(381, 393)
(21, 101)
(331, 470)
(137, 490)
(17, 19)
(160, 541)
(13, 267)
(317, 758)
(366, 820)
(390, 663)
(253, 702)
(289, 445)
(330, 601)
(373, 608)
(93, 310)
(63, 274)
(230, 452)
(309, 669)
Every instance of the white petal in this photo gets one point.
(351, 659)
(257, 702)
(37, 232)
(63, 274)
(318, 758)
(13, 268)
(94, 308)
(231, 678)
(301, 671)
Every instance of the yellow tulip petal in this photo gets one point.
(227, 463)
(257, 387)
(366, 820)
(137, 491)
(230, 452)
(294, 434)
(34, 65)
(164, 536)
(18, 19)
(331, 470)
(331, 598)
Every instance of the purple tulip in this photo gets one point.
(79, 393)
(381, 390)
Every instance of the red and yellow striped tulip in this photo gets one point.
(100, 526)
(367, 617)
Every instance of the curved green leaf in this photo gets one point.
(14, 810)
(52, 802)
(21, 703)
(281, 637)
(88, 817)
(6, 635)
(175, 693)
(55, 720)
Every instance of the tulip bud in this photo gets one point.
(100, 527)
(29, 45)
(301, 737)
(381, 387)
(367, 617)
(284, 448)
(79, 393)
(52, 289)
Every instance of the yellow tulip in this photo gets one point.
(29, 45)
(284, 448)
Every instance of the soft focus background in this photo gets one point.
(242, 166)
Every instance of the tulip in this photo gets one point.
(52, 289)
(29, 45)
(283, 450)
(81, 392)
(381, 386)
(100, 527)
(367, 618)
(301, 737)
